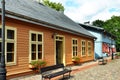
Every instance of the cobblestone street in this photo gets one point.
(110, 71)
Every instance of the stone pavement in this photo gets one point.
(86, 71)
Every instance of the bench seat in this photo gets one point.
(56, 74)
(54, 70)
(102, 61)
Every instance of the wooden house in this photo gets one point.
(37, 32)
(105, 42)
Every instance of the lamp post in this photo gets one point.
(112, 56)
(2, 61)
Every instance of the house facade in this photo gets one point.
(105, 42)
(37, 32)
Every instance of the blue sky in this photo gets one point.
(90, 10)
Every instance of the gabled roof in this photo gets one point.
(37, 13)
(96, 29)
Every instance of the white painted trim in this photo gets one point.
(81, 48)
(42, 43)
(11, 41)
(88, 47)
(63, 42)
(74, 45)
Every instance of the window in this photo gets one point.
(74, 47)
(83, 48)
(10, 42)
(89, 48)
(36, 44)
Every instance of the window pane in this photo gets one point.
(40, 48)
(60, 38)
(10, 47)
(10, 34)
(39, 55)
(73, 42)
(33, 38)
(10, 57)
(33, 48)
(33, 56)
(39, 51)
(0, 33)
(39, 37)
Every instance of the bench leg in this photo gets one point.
(69, 74)
(63, 76)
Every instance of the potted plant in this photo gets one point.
(117, 56)
(36, 65)
(76, 60)
(41, 64)
(33, 64)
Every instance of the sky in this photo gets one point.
(90, 10)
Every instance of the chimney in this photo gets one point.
(39, 1)
(88, 22)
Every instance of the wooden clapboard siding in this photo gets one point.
(22, 55)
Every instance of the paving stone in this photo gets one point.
(110, 71)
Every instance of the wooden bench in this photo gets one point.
(54, 70)
(102, 60)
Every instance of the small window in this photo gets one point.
(36, 46)
(74, 47)
(10, 42)
(89, 48)
(83, 48)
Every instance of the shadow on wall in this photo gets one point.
(97, 56)
(103, 55)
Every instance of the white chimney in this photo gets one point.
(39, 1)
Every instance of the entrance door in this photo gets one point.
(59, 52)
(59, 41)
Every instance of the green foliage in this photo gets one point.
(112, 26)
(38, 63)
(75, 58)
(118, 54)
(54, 5)
(34, 63)
(98, 23)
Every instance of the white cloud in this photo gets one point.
(90, 10)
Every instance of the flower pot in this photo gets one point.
(31, 66)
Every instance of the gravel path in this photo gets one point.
(110, 71)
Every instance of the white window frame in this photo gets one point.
(83, 46)
(35, 42)
(89, 46)
(74, 45)
(10, 41)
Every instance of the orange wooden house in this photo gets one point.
(37, 32)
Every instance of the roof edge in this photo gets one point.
(45, 24)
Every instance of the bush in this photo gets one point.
(76, 58)
(37, 64)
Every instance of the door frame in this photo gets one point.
(56, 38)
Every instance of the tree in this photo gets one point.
(54, 5)
(113, 26)
(98, 23)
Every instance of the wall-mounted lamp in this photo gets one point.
(53, 35)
